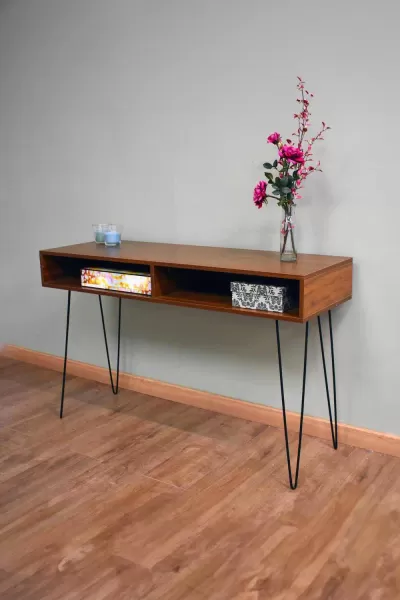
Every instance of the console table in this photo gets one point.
(200, 277)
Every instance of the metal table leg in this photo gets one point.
(293, 481)
(114, 387)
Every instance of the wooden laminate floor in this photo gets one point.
(133, 497)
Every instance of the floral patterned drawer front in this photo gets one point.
(260, 297)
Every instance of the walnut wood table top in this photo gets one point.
(256, 262)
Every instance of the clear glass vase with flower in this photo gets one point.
(286, 175)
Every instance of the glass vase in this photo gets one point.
(288, 246)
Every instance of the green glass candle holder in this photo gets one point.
(99, 232)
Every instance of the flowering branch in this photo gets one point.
(295, 162)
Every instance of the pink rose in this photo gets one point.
(292, 154)
(274, 138)
(260, 194)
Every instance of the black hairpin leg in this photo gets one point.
(334, 426)
(115, 388)
(293, 482)
(65, 355)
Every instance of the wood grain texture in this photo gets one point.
(327, 290)
(232, 260)
(203, 301)
(313, 426)
(200, 277)
(49, 269)
(137, 498)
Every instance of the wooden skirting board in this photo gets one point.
(320, 428)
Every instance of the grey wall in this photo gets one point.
(155, 114)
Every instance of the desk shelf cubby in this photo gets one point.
(200, 277)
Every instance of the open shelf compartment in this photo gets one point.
(195, 288)
(65, 272)
(212, 289)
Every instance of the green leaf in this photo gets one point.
(269, 176)
(285, 190)
(276, 191)
(290, 181)
(296, 175)
(267, 166)
(284, 181)
(277, 182)
(275, 164)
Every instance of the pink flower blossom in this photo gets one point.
(260, 194)
(292, 154)
(295, 161)
(274, 138)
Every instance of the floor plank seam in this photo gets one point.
(215, 522)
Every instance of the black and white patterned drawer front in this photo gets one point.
(260, 297)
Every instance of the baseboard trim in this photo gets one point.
(316, 427)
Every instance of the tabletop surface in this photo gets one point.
(232, 260)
